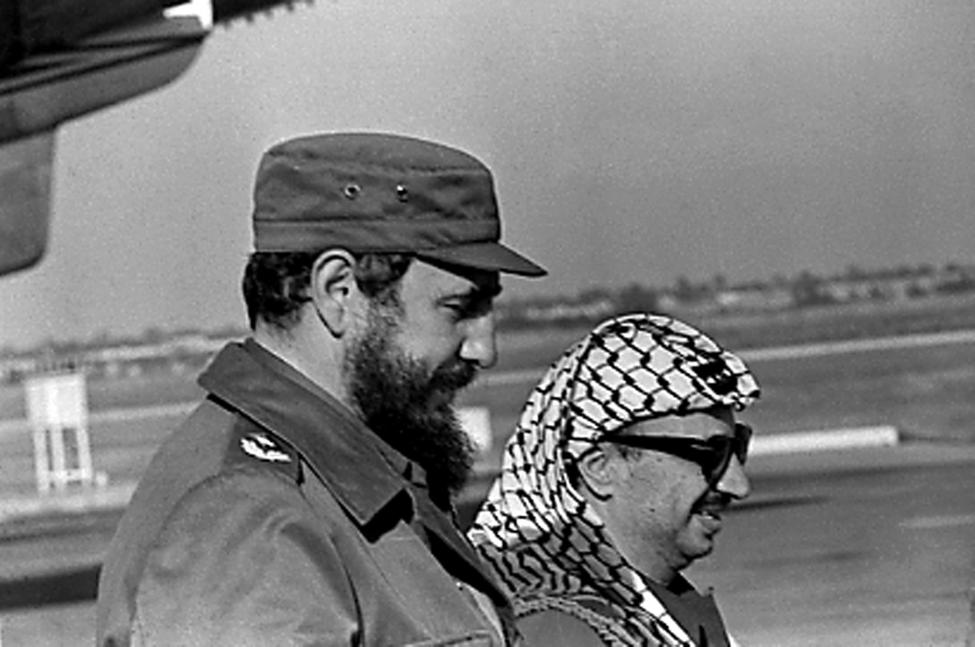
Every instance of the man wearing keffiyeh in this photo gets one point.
(625, 456)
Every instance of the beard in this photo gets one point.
(409, 405)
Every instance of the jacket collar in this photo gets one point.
(364, 473)
(337, 446)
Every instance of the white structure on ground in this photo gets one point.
(57, 409)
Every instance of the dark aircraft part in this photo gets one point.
(25, 181)
(37, 26)
(48, 89)
(226, 10)
(61, 59)
(31, 27)
(98, 72)
(9, 32)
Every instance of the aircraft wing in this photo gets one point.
(61, 59)
(45, 90)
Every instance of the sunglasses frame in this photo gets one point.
(713, 455)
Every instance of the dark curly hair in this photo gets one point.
(275, 284)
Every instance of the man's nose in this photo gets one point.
(480, 345)
(734, 481)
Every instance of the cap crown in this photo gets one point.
(371, 192)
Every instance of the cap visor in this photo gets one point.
(485, 256)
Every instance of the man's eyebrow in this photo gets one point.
(475, 292)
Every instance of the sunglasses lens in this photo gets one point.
(743, 436)
(713, 455)
(718, 457)
(725, 447)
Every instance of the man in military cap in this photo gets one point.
(307, 499)
(615, 480)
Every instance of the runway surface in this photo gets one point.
(858, 548)
(865, 548)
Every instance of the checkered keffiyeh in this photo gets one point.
(537, 531)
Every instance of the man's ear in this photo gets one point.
(598, 472)
(333, 289)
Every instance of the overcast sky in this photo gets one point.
(631, 141)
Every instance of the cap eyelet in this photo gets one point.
(402, 194)
(352, 191)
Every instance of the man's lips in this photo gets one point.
(709, 514)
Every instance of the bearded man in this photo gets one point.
(307, 500)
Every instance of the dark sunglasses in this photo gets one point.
(713, 454)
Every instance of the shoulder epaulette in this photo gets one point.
(251, 445)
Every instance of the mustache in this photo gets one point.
(453, 376)
(714, 499)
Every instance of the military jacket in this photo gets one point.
(273, 516)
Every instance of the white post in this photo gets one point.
(83, 446)
(59, 469)
(42, 463)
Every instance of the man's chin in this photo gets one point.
(437, 443)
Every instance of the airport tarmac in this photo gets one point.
(858, 547)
